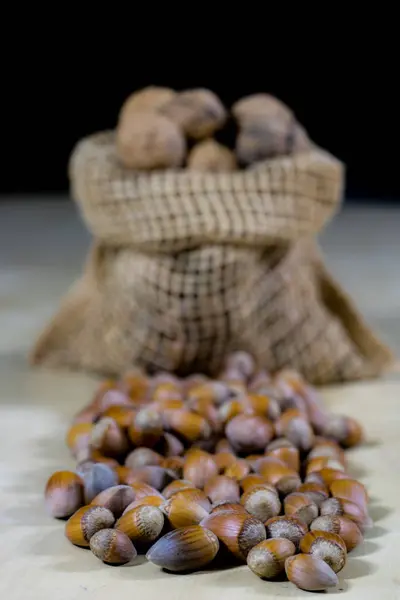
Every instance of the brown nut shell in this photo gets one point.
(111, 397)
(147, 141)
(142, 525)
(350, 490)
(155, 476)
(206, 408)
(260, 105)
(147, 427)
(267, 559)
(323, 462)
(195, 495)
(124, 474)
(143, 489)
(224, 446)
(135, 386)
(122, 415)
(249, 433)
(228, 507)
(344, 430)
(299, 431)
(341, 507)
(199, 467)
(261, 502)
(112, 547)
(96, 478)
(187, 549)
(78, 439)
(209, 156)
(222, 489)
(279, 475)
(342, 526)
(177, 486)
(166, 392)
(228, 410)
(97, 457)
(327, 475)
(290, 528)
(182, 512)
(223, 460)
(238, 470)
(174, 464)
(289, 455)
(108, 438)
(316, 492)
(241, 361)
(143, 457)
(330, 547)
(115, 498)
(86, 522)
(63, 494)
(310, 573)
(171, 445)
(151, 97)
(301, 506)
(146, 501)
(328, 449)
(238, 532)
(260, 404)
(198, 112)
(188, 425)
(254, 480)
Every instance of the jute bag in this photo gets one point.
(187, 266)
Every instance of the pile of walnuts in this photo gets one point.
(159, 128)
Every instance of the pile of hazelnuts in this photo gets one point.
(196, 472)
(160, 128)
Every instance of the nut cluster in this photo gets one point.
(160, 128)
(248, 467)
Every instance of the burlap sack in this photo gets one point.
(187, 266)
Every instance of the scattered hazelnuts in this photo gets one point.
(214, 467)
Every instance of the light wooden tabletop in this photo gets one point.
(36, 560)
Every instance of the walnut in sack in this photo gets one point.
(211, 156)
(261, 105)
(261, 139)
(147, 140)
(198, 112)
(150, 98)
(267, 128)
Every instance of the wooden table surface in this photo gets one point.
(36, 560)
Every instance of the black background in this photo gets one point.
(67, 80)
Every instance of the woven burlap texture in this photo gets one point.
(187, 266)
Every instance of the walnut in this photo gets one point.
(300, 140)
(149, 98)
(259, 106)
(198, 112)
(267, 128)
(260, 139)
(147, 140)
(211, 156)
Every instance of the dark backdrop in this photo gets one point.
(69, 85)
